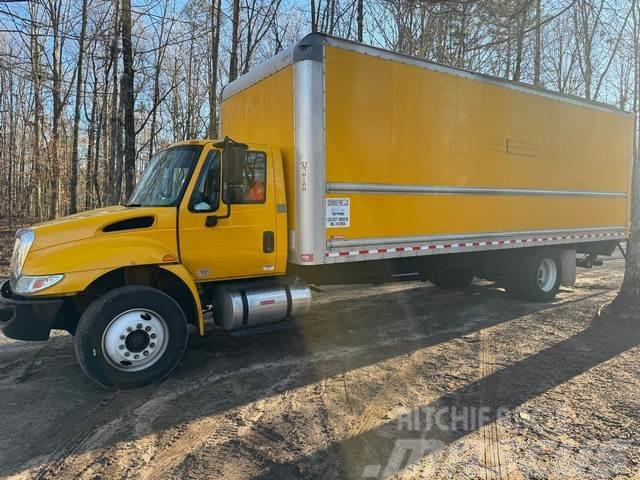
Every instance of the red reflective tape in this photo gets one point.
(415, 248)
(267, 302)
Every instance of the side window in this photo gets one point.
(254, 178)
(206, 195)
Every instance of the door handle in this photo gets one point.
(211, 221)
(268, 242)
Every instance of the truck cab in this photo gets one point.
(238, 231)
(208, 218)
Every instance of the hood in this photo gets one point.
(97, 222)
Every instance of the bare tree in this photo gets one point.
(73, 187)
(215, 19)
(127, 100)
(235, 27)
(629, 295)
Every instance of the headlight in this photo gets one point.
(27, 284)
(24, 239)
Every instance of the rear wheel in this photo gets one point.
(512, 275)
(131, 336)
(452, 278)
(539, 274)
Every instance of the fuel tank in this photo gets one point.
(240, 307)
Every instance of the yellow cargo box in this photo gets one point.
(387, 155)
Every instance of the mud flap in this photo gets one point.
(568, 264)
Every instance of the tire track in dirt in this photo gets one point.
(166, 451)
(76, 440)
(493, 459)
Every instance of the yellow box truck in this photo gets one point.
(348, 164)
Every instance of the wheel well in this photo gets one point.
(148, 275)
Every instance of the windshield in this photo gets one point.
(166, 177)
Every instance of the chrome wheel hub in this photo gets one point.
(547, 275)
(135, 340)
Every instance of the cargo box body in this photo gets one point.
(389, 156)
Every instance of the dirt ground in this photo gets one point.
(403, 380)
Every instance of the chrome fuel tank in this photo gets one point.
(245, 307)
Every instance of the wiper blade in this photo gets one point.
(132, 204)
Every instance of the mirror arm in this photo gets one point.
(228, 214)
(212, 220)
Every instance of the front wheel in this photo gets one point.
(131, 336)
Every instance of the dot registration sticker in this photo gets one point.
(338, 212)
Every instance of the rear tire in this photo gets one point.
(452, 278)
(131, 336)
(540, 273)
(512, 275)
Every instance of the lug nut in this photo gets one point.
(126, 354)
(122, 337)
(121, 347)
(139, 326)
(145, 353)
(147, 329)
(152, 345)
(153, 335)
(129, 329)
(136, 357)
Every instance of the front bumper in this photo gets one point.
(27, 318)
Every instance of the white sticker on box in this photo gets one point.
(337, 212)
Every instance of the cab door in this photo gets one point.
(242, 245)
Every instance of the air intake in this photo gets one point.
(129, 224)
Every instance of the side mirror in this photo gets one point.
(232, 166)
(233, 155)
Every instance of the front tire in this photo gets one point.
(131, 336)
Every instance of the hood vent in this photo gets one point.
(129, 224)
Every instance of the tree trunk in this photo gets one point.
(314, 21)
(127, 101)
(233, 61)
(360, 19)
(73, 183)
(157, 70)
(91, 143)
(114, 123)
(213, 68)
(37, 110)
(54, 179)
(537, 52)
(629, 294)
